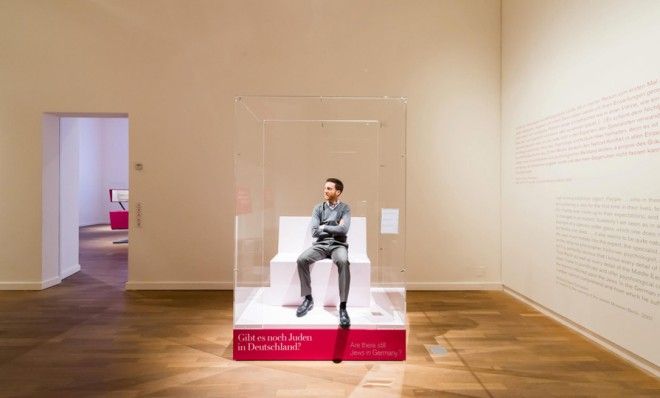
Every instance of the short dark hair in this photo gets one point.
(339, 186)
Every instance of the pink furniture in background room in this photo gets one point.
(119, 218)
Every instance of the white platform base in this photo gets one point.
(385, 311)
(285, 282)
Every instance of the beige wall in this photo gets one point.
(581, 237)
(175, 66)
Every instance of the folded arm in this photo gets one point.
(342, 227)
(317, 230)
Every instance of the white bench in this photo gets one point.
(294, 237)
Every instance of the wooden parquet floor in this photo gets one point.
(89, 337)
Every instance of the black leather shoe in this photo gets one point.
(344, 320)
(305, 307)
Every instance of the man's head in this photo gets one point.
(332, 189)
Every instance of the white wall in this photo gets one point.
(115, 164)
(174, 67)
(50, 193)
(103, 165)
(580, 164)
(69, 203)
(92, 199)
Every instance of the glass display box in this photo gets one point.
(284, 150)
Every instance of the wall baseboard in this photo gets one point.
(50, 282)
(45, 284)
(20, 286)
(67, 272)
(631, 357)
(453, 286)
(137, 285)
(95, 224)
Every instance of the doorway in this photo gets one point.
(84, 157)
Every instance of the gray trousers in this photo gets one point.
(319, 251)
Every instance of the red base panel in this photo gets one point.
(320, 344)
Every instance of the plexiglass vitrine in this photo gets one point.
(284, 150)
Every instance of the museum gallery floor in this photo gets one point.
(88, 337)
